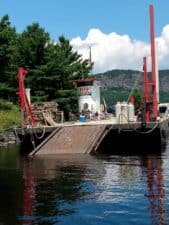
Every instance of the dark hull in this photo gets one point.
(132, 142)
(117, 138)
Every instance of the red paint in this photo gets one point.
(148, 110)
(24, 103)
(153, 61)
(132, 100)
(151, 110)
(146, 85)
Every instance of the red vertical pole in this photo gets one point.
(146, 93)
(153, 59)
(146, 90)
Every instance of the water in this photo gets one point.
(84, 189)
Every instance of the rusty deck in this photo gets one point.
(78, 139)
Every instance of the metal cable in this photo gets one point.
(43, 133)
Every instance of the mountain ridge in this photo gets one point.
(115, 81)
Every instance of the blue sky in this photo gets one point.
(74, 18)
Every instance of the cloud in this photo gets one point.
(163, 47)
(114, 51)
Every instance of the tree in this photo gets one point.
(64, 65)
(8, 55)
(32, 45)
(137, 98)
(51, 66)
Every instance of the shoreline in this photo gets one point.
(7, 138)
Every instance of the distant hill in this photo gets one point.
(117, 84)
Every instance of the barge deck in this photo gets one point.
(92, 137)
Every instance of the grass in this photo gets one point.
(9, 115)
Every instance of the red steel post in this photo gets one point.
(146, 91)
(153, 59)
(146, 85)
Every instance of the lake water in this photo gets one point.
(84, 189)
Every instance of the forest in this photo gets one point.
(50, 65)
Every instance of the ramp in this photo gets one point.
(73, 139)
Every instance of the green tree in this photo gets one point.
(33, 45)
(64, 65)
(138, 97)
(51, 66)
(8, 59)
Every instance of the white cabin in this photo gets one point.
(88, 91)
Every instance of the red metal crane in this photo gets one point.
(151, 102)
(26, 111)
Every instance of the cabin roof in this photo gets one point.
(83, 80)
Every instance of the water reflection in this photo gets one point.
(28, 194)
(156, 194)
(55, 186)
(52, 185)
(84, 189)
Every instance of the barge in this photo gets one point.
(102, 136)
(96, 130)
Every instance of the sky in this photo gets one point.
(116, 30)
